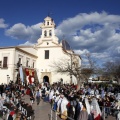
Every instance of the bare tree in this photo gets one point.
(112, 70)
(117, 73)
(66, 66)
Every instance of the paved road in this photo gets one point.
(43, 109)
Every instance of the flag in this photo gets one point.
(29, 75)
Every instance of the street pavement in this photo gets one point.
(43, 109)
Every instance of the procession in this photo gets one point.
(59, 60)
(64, 99)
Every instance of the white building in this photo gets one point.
(36, 60)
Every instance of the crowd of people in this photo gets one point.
(11, 103)
(90, 102)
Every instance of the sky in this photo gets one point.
(89, 26)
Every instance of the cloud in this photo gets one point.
(96, 33)
(93, 28)
(20, 31)
(81, 52)
(27, 44)
(2, 24)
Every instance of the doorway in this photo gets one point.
(46, 79)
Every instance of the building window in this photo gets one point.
(5, 62)
(47, 43)
(50, 33)
(0, 64)
(27, 63)
(46, 54)
(47, 23)
(45, 33)
(33, 65)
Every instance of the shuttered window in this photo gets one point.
(5, 62)
(46, 54)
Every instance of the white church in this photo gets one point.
(33, 63)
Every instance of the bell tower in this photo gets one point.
(48, 27)
(48, 30)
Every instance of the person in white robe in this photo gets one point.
(51, 95)
(88, 107)
(64, 104)
(95, 109)
(56, 98)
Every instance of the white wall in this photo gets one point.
(24, 58)
(55, 54)
(41, 64)
(13, 56)
(29, 49)
(9, 52)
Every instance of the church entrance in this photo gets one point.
(46, 79)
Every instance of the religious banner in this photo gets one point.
(29, 75)
(95, 109)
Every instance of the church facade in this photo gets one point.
(34, 63)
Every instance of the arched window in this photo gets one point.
(45, 33)
(47, 23)
(50, 33)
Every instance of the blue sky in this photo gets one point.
(91, 26)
